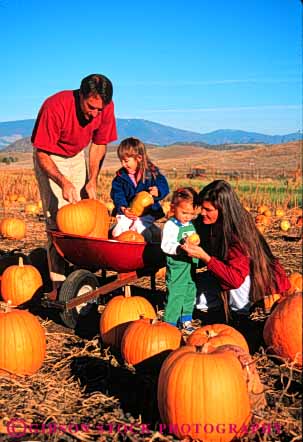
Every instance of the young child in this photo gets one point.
(137, 173)
(180, 284)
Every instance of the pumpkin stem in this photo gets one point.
(127, 291)
(141, 316)
(21, 261)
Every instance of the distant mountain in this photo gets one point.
(154, 133)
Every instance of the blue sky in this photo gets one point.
(199, 65)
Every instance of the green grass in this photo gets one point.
(252, 193)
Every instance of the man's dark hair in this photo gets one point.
(97, 84)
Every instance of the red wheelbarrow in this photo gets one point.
(130, 261)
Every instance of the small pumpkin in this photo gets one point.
(203, 386)
(22, 342)
(31, 209)
(130, 236)
(285, 225)
(295, 280)
(261, 209)
(262, 219)
(76, 219)
(13, 228)
(194, 239)
(140, 202)
(20, 282)
(119, 312)
(280, 212)
(146, 338)
(283, 329)
(216, 335)
(101, 227)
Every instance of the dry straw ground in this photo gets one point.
(81, 382)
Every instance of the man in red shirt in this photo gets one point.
(68, 122)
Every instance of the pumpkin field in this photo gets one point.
(90, 384)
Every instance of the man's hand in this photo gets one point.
(154, 191)
(91, 189)
(69, 192)
(49, 167)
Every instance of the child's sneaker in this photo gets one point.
(187, 326)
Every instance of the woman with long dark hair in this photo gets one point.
(237, 257)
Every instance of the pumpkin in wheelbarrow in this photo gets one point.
(140, 202)
(85, 218)
(76, 219)
(130, 236)
(101, 215)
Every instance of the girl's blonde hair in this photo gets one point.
(133, 147)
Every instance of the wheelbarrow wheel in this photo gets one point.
(76, 284)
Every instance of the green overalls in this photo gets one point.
(181, 288)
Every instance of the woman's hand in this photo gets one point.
(154, 191)
(195, 251)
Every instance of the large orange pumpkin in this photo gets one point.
(119, 312)
(216, 335)
(130, 236)
(283, 329)
(145, 338)
(141, 201)
(200, 394)
(13, 228)
(100, 230)
(251, 376)
(76, 219)
(22, 343)
(20, 282)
